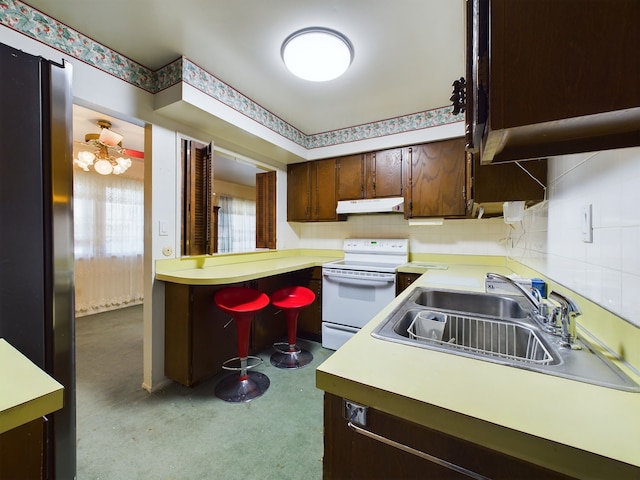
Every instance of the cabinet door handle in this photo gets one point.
(417, 453)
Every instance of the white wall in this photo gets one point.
(606, 271)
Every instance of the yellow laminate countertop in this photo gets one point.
(570, 426)
(226, 269)
(26, 392)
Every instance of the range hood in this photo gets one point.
(371, 205)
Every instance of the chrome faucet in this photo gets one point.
(568, 312)
(534, 299)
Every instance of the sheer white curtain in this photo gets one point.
(108, 250)
(236, 224)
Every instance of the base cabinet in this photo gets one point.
(22, 455)
(310, 318)
(199, 337)
(351, 455)
(403, 280)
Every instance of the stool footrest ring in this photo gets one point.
(284, 347)
(257, 361)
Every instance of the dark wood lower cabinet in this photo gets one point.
(199, 337)
(351, 455)
(310, 318)
(403, 280)
(22, 451)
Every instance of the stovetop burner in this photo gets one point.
(377, 255)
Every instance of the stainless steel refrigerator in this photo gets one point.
(36, 233)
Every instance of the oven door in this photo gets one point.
(352, 298)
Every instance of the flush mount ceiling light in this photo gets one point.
(317, 54)
(104, 152)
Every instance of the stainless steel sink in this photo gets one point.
(497, 329)
(471, 302)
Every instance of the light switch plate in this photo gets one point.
(587, 224)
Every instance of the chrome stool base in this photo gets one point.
(290, 357)
(233, 388)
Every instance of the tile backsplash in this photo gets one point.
(462, 237)
(550, 238)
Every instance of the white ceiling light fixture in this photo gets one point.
(317, 54)
(107, 154)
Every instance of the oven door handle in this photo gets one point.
(359, 279)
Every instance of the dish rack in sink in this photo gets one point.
(488, 337)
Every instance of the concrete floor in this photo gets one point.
(123, 432)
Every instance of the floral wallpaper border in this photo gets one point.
(45, 29)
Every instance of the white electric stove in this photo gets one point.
(356, 288)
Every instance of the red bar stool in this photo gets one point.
(242, 304)
(291, 300)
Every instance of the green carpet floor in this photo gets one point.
(124, 432)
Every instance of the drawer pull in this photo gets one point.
(418, 453)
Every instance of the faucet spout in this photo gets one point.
(533, 300)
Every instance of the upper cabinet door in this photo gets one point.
(351, 177)
(298, 192)
(437, 179)
(558, 77)
(384, 173)
(323, 193)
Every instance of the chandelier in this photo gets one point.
(106, 155)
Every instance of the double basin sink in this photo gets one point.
(497, 329)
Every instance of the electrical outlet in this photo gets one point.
(587, 224)
(355, 413)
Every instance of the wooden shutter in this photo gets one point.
(266, 210)
(198, 219)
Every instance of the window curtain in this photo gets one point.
(236, 225)
(108, 242)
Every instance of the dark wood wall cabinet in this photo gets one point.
(371, 175)
(199, 337)
(436, 179)
(312, 192)
(549, 77)
(352, 455)
(496, 183)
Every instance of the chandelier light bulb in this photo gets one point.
(122, 164)
(317, 54)
(84, 159)
(103, 167)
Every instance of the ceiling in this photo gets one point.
(407, 52)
